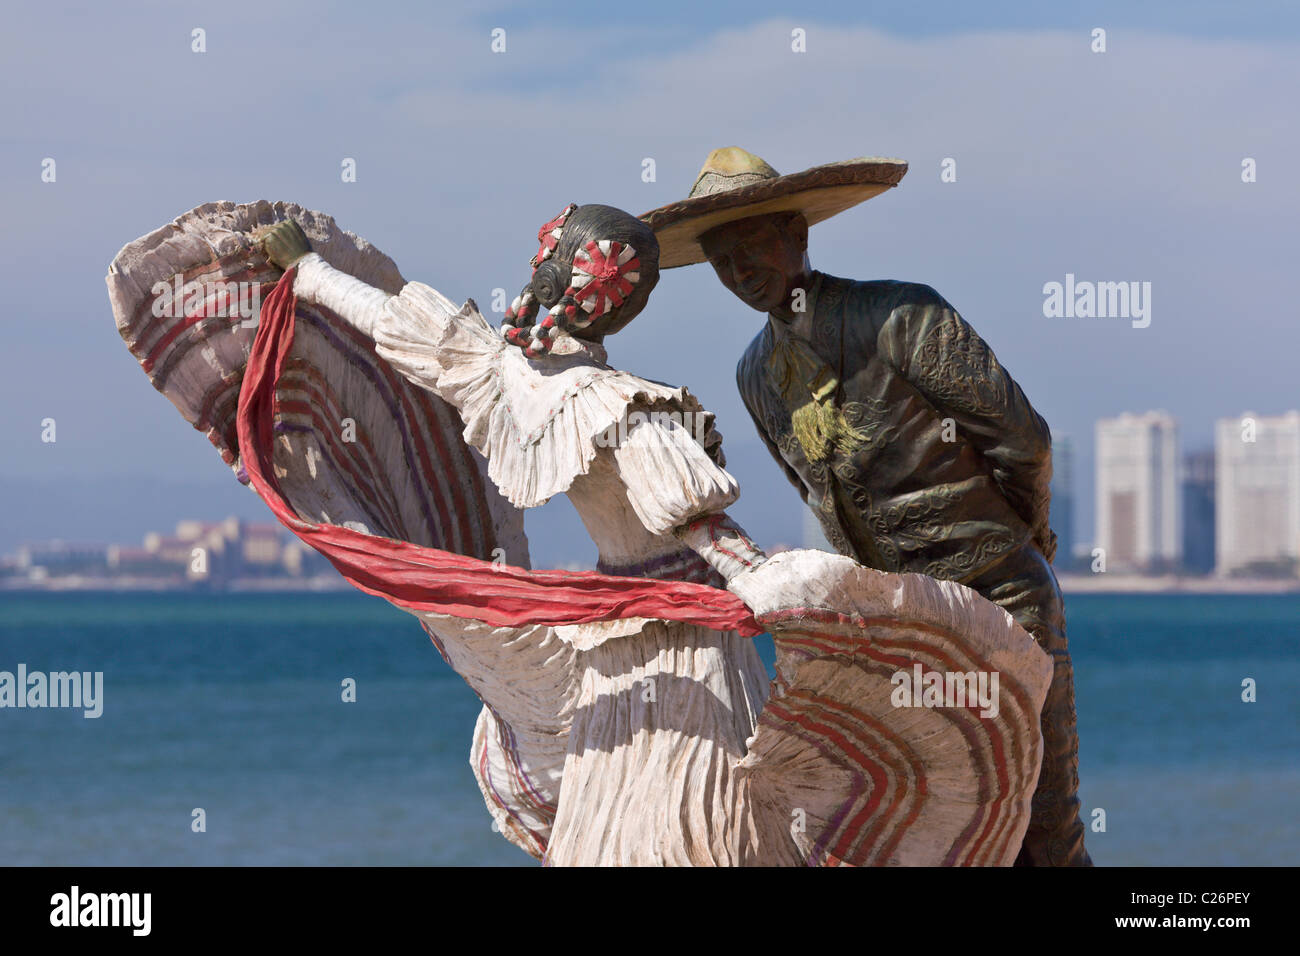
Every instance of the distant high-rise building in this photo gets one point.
(1198, 512)
(1258, 493)
(1062, 513)
(1138, 521)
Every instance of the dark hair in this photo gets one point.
(552, 284)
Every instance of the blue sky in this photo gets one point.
(682, 21)
(1118, 166)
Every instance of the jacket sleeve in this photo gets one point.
(750, 386)
(935, 350)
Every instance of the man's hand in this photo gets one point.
(285, 243)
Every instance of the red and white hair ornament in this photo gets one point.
(548, 237)
(604, 273)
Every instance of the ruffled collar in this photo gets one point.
(538, 420)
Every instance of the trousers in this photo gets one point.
(1025, 586)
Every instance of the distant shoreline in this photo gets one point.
(156, 586)
(1172, 584)
(1070, 584)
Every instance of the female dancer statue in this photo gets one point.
(636, 727)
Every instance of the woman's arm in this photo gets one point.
(723, 543)
(358, 304)
(419, 332)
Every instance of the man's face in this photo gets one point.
(759, 259)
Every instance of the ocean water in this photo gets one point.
(233, 704)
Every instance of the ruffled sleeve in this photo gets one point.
(670, 478)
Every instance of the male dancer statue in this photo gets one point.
(915, 448)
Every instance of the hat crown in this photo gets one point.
(730, 168)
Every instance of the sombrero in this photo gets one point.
(735, 184)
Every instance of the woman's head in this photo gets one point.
(592, 274)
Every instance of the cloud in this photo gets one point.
(1120, 166)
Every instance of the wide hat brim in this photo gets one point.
(818, 193)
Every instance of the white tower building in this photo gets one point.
(1139, 521)
(1257, 492)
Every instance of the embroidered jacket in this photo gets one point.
(946, 467)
